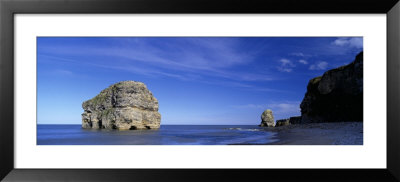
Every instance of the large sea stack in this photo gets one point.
(335, 96)
(125, 105)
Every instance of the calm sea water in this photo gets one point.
(166, 135)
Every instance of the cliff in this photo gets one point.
(123, 106)
(335, 96)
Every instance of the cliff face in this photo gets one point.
(124, 105)
(335, 96)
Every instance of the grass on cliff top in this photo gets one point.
(101, 97)
(315, 80)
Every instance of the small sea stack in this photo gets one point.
(267, 119)
(127, 105)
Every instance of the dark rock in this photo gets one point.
(335, 96)
(282, 122)
(295, 120)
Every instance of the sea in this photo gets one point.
(166, 135)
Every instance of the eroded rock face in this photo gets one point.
(123, 106)
(282, 122)
(335, 96)
(295, 120)
(288, 121)
(267, 119)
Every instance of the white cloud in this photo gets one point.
(285, 107)
(251, 106)
(356, 42)
(286, 62)
(302, 61)
(286, 65)
(319, 66)
(276, 107)
(281, 109)
(300, 54)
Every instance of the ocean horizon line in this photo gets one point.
(172, 124)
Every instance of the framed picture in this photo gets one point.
(122, 91)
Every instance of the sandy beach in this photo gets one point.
(338, 133)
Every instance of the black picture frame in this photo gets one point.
(8, 8)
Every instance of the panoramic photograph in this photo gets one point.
(199, 91)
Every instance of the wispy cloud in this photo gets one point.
(63, 72)
(356, 42)
(251, 106)
(285, 107)
(243, 86)
(322, 65)
(338, 46)
(201, 56)
(157, 72)
(300, 54)
(286, 65)
(302, 61)
(280, 109)
(128, 68)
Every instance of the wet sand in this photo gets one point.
(341, 133)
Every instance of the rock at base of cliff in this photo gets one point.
(288, 121)
(267, 119)
(295, 120)
(282, 122)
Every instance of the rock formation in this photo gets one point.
(295, 120)
(267, 119)
(288, 121)
(282, 122)
(125, 105)
(335, 96)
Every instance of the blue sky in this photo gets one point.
(197, 80)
